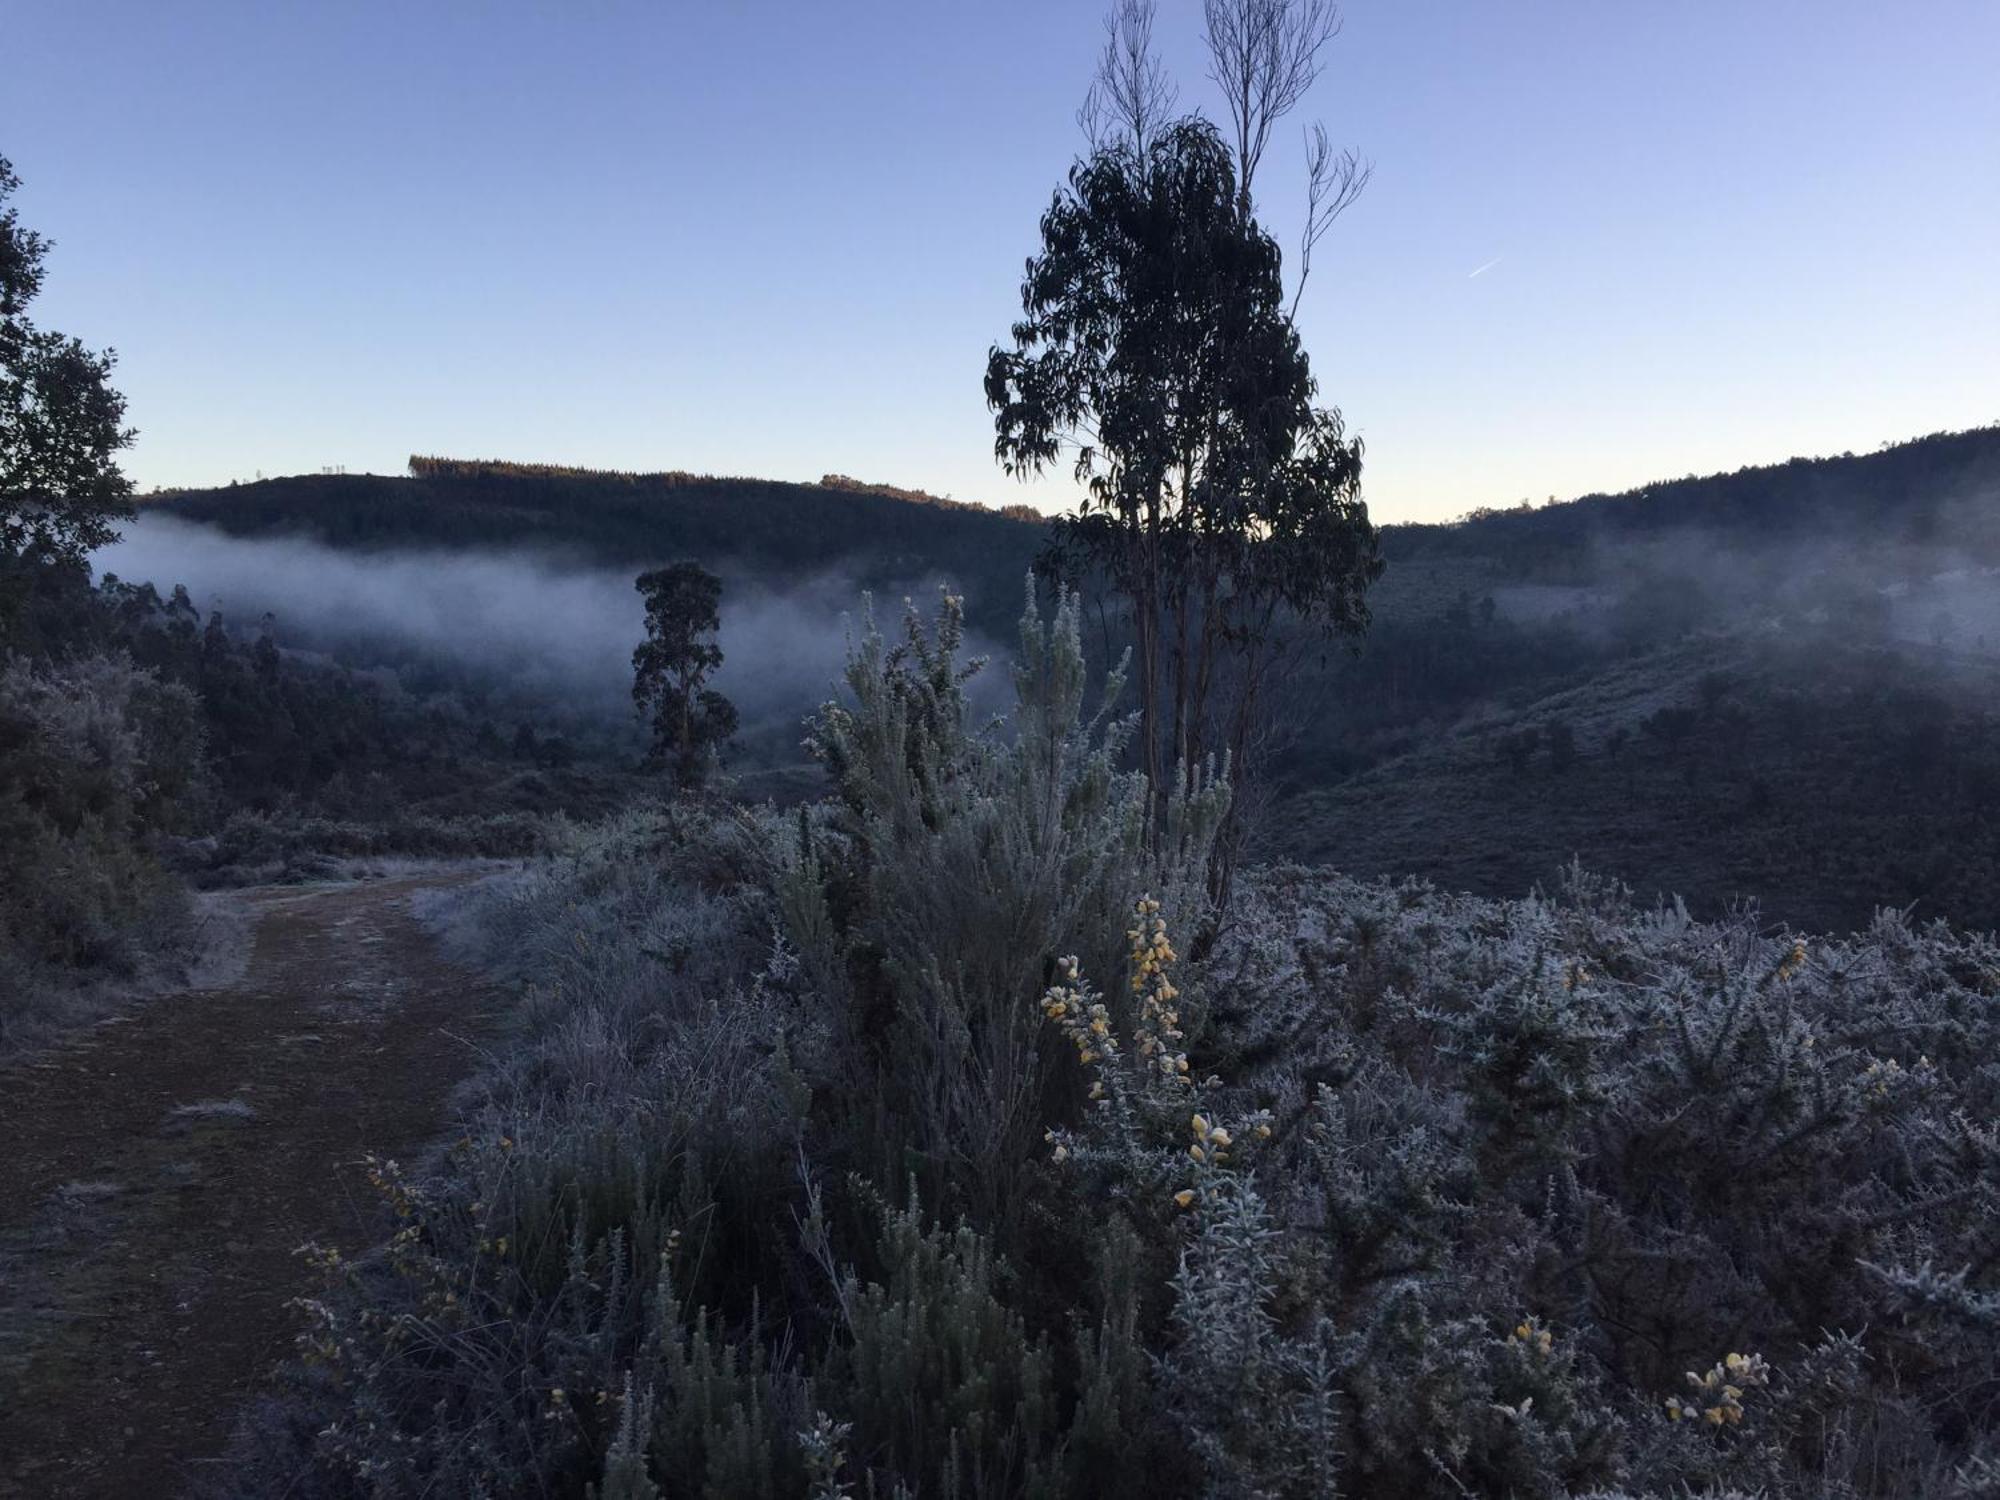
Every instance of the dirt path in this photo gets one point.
(158, 1176)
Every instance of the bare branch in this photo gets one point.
(1131, 96)
(1333, 182)
(1265, 55)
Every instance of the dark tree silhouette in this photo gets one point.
(1155, 352)
(61, 425)
(671, 668)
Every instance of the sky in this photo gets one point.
(1604, 243)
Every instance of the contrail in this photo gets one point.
(1487, 267)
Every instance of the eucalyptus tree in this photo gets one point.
(671, 668)
(1156, 356)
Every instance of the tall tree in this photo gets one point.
(671, 668)
(1157, 350)
(61, 424)
(1224, 504)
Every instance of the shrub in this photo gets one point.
(787, 1185)
(958, 865)
(97, 758)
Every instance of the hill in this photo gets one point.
(1771, 683)
(875, 534)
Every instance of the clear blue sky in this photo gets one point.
(776, 237)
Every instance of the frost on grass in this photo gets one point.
(212, 1111)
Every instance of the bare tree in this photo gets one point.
(1131, 96)
(1265, 55)
(1333, 181)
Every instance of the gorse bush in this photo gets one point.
(898, 1148)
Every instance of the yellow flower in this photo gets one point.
(1200, 1123)
(1219, 1136)
(1184, 1197)
(1197, 1153)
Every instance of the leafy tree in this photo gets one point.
(671, 668)
(1219, 499)
(61, 425)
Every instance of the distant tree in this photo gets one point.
(671, 668)
(61, 425)
(1616, 740)
(526, 746)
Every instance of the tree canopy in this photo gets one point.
(1155, 352)
(671, 668)
(61, 423)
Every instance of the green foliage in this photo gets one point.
(1154, 345)
(61, 424)
(987, 1422)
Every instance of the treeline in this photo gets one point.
(925, 497)
(799, 531)
(1921, 492)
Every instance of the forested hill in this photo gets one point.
(618, 519)
(1922, 492)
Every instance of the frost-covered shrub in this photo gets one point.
(1674, 1151)
(895, 1148)
(959, 863)
(97, 758)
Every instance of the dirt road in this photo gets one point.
(158, 1175)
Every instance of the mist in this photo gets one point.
(540, 634)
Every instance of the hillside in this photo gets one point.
(1822, 777)
(876, 535)
(1824, 624)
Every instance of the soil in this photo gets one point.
(159, 1174)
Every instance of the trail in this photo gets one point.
(158, 1175)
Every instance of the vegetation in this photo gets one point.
(1156, 347)
(61, 425)
(896, 1148)
(97, 758)
(671, 667)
